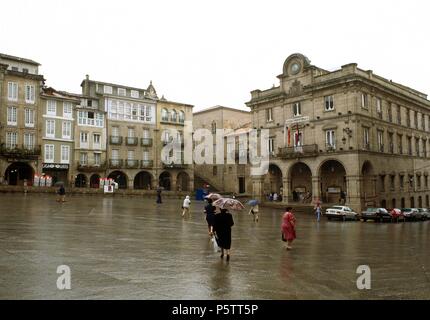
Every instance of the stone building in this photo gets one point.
(348, 132)
(172, 119)
(20, 132)
(57, 120)
(227, 177)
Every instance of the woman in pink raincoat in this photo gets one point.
(288, 227)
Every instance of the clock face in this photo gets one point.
(295, 68)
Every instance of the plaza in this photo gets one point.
(131, 248)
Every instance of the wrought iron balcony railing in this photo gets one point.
(132, 164)
(131, 141)
(116, 163)
(146, 142)
(146, 164)
(20, 151)
(116, 140)
(310, 150)
(91, 167)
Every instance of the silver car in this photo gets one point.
(341, 213)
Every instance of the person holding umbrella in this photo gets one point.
(254, 209)
(210, 216)
(159, 195)
(288, 228)
(61, 193)
(223, 222)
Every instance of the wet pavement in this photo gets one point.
(132, 248)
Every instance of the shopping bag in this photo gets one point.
(215, 244)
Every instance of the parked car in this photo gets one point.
(411, 214)
(397, 215)
(425, 213)
(377, 214)
(341, 212)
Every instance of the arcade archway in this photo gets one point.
(183, 181)
(95, 181)
(142, 181)
(81, 181)
(17, 172)
(120, 178)
(165, 181)
(333, 181)
(301, 182)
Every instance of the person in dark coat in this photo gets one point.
(210, 216)
(61, 194)
(158, 195)
(222, 226)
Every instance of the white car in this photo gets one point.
(341, 212)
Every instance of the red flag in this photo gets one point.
(289, 136)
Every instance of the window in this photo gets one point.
(416, 119)
(402, 182)
(269, 115)
(329, 104)
(11, 140)
(411, 181)
(115, 154)
(424, 148)
(12, 91)
(366, 138)
(271, 146)
(122, 92)
(392, 182)
(214, 170)
(417, 146)
(131, 133)
(146, 134)
(379, 107)
(29, 117)
(423, 122)
(84, 137)
(107, 89)
(390, 113)
(381, 141)
(29, 94)
(134, 94)
(135, 113)
(51, 107)
(97, 159)
(298, 139)
(297, 109)
(426, 182)
(99, 120)
(149, 115)
(11, 116)
(213, 127)
(174, 116)
(408, 118)
(400, 143)
(49, 153)
(399, 115)
(410, 146)
(67, 130)
(67, 110)
(181, 116)
(364, 100)
(65, 154)
(390, 143)
(330, 139)
(29, 141)
(146, 155)
(164, 115)
(127, 115)
(418, 181)
(115, 131)
(50, 128)
(87, 118)
(382, 183)
(96, 139)
(83, 158)
(130, 155)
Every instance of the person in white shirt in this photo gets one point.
(186, 206)
(275, 197)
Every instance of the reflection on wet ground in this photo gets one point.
(132, 248)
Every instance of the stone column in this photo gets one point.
(130, 184)
(316, 192)
(353, 193)
(286, 197)
(257, 187)
(173, 186)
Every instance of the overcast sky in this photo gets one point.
(210, 53)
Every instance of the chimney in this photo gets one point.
(87, 85)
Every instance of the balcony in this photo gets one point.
(20, 152)
(175, 166)
(86, 167)
(381, 148)
(310, 150)
(146, 142)
(330, 147)
(131, 141)
(116, 163)
(131, 164)
(146, 164)
(115, 140)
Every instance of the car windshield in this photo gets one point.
(337, 208)
(406, 209)
(372, 209)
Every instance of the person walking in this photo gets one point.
(288, 228)
(254, 211)
(159, 195)
(61, 194)
(318, 210)
(186, 206)
(222, 227)
(210, 216)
